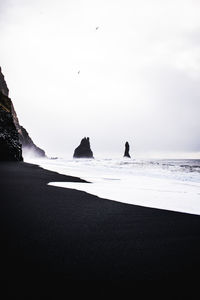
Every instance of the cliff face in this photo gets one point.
(28, 145)
(14, 139)
(3, 86)
(10, 146)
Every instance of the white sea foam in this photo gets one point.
(165, 184)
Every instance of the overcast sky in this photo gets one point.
(139, 74)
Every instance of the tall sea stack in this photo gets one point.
(127, 148)
(14, 139)
(83, 150)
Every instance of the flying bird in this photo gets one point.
(78, 72)
(97, 27)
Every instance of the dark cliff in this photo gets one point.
(10, 146)
(83, 150)
(3, 86)
(28, 144)
(14, 139)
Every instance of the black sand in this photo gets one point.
(56, 231)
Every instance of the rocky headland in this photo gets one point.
(14, 139)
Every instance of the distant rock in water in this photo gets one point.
(127, 148)
(14, 139)
(83, 150)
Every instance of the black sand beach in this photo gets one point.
(51, 230)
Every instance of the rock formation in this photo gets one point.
(3, 86)
(14, 139)
(28, 144)
(10, 146)
(127, 148)
(83, 150)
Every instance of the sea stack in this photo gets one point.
(127, 148)
(14, 139)
(83, 150)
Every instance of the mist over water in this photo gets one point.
(171, 184)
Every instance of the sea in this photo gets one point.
(169, 184)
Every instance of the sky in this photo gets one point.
(139, 78)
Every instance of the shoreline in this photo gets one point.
(165, 185)
(53, 230)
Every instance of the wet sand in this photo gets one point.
(50, 231)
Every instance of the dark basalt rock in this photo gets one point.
(3, 86)
(83, 150)
(10, 146)
(28, 144)
(13, 137)
(127, 148)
